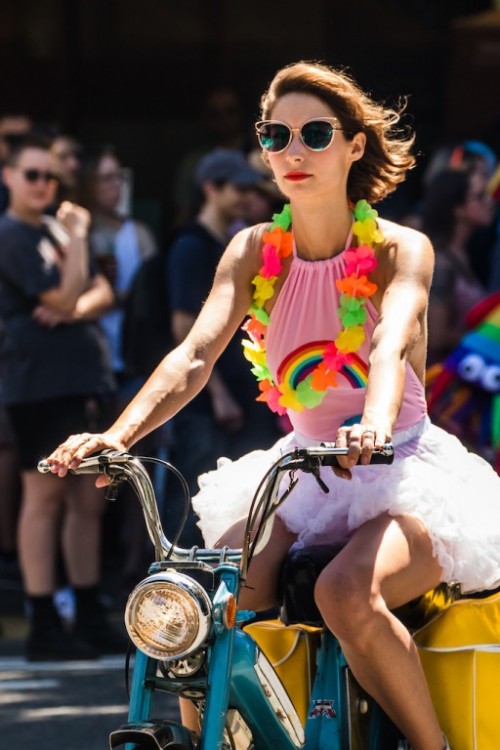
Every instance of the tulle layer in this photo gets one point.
(453, 492)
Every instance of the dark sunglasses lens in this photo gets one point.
(274, 137)
(33, 175)
(317, 135)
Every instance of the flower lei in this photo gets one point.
(355, 290)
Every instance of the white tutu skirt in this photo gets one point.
(453, 492)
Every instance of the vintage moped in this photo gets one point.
(193, 642)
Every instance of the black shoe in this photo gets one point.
(53, 643)
(102, 636)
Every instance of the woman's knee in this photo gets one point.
(346, 600)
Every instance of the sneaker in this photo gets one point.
(53, 643)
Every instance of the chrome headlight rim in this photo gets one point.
(192, 592)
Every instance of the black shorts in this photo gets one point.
(39, 427)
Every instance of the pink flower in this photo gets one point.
(360, 260)
(272, 263)
(271, 394)
(333, 359)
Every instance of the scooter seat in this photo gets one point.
(301, 570)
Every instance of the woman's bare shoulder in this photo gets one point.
(402, 235)
(402, 242)
(244, 250)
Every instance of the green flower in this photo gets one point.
(352, 311)
(352, 318)
(351, 303)
(261, 372)
(260, 314)
(283, 219)
(363, 210)
(307, 395)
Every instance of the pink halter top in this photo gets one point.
(303, 320)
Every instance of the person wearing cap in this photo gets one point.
(224, 418)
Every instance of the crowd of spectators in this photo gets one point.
(72, 280)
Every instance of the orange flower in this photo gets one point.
(356, 287)
(323, 378)
(282, 241)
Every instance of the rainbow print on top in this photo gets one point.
(301, 363)
(308, 372)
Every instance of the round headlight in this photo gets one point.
(168, 615)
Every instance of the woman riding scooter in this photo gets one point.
(337, 337)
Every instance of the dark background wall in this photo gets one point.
(133, 72)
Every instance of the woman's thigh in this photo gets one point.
(260, 591)
(390, 556)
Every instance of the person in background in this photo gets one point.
(456, 204)
(223, 420)
(477, 157)
(118, 246)
(68, 153)
(14, 126)
(264, 198)
(221, 126)
(56, 376)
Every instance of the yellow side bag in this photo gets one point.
(292, 652)
(460, 653)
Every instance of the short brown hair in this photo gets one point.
(387, 155)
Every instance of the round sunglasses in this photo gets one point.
(316, 134)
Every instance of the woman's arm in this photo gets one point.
(400, 328)
(185, 370)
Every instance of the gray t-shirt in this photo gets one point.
(40, 363)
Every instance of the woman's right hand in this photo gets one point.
(69, 454)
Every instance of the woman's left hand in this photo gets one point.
(360, 439)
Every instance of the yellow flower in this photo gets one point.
(253, 352)
(366, 231)
(264, 289)
(350, 339)
(289, 398)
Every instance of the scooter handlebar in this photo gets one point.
(328, 454)
(98, 464)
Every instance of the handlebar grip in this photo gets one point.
(328, 454)
(92, 464)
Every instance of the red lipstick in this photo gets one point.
(296, 176)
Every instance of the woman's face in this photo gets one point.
(300, 171)
(477, 208)
(108, 183)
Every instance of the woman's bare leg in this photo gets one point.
(386, 563)
(261, 589)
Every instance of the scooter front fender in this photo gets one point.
(258, 694)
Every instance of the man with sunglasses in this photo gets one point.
(56, 372)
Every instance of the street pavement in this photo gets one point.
(59, 705)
